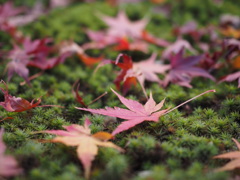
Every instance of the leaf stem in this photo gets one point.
(213, 90)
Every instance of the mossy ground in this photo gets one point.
(179, 147)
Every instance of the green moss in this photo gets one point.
(178, 147)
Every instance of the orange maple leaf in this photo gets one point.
(231, 32)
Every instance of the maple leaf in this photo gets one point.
(190, 28)
(87, 144)
(69, 46)
(228, 19)
(148, 69)
(235, 156)
(8, 165)
(99, 40)
(232, 46)
(154, 40)
(183, 70)
(28, 17)
(231, 32)
(121, 26)
(17, 104)
(48, 63)
(132, 72)
(137, 45)
(21, 56)
(210, 61)
(176, 48)
(18, 64)
(118, 2)
(7, 10)
(232, 77)
(236, 62)
(59, 3)
(137, 112)
(33, 53)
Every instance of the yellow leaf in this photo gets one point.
(86, 151)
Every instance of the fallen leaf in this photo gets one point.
(176, 48)
(87, 144)
(234, 156)
(154, 40)
(17, 104)
(183, 70)
(231, 32)
(140, 71)
(232, 77)
(28, 17)
(137, 112)
(122, 27)
(8, 165)
(236, 62)
(72, 47)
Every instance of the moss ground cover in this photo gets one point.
(178, 147)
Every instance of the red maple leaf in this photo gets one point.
(137, 112)
(17, 104)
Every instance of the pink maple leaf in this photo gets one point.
(21, 56)
(100, 40)
(123, 33)
(121, 26)
(18, 64)
(30, 16)
(146, 70)
(183, 70)
(140, 71)
(176, 47)
(8, 165)
(87, 143)
(59, 3)
(32, 53)
(7, 10)
(137, 112)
